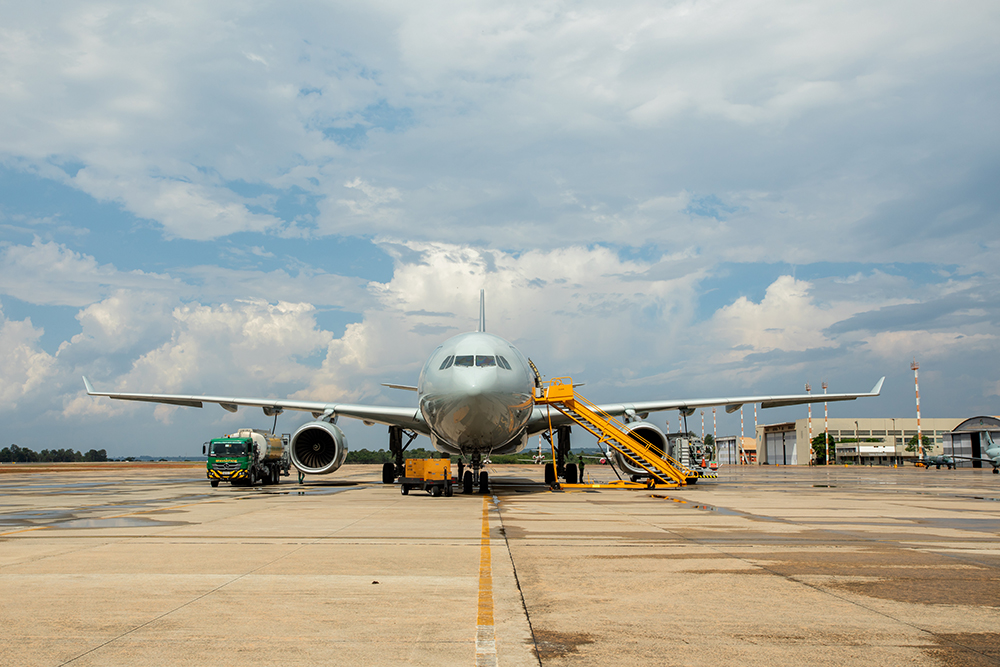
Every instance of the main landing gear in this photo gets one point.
(396, 468)
(567, 471)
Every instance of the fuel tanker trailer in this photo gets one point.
(247, 458)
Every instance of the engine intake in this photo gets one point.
(318, 448)
(649, 432)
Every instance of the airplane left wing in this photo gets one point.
(687, 406)
(408, 418)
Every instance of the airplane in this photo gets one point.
(938, 461)
(992, 453)
(475, 398)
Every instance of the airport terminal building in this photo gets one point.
(875, 441)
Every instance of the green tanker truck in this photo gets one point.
(246, 458)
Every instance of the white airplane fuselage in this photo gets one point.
(476, 394)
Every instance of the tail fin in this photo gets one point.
(989, 440)
(482, 311)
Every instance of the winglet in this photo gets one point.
(90, 387)
(482, 311)
(877, 389)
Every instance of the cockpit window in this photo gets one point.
(503, 363)
(464, 360)
(447, 362)
(483, 361)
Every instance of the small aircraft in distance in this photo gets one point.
(992, 453)
(537, 458)
(938, 461)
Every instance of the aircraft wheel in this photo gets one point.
(467, 482)
(215, 483)
(388, 473)
(572, 477)
(995, 471)
(404, 489)
(939, 467)
(550, 474)
(484, 483)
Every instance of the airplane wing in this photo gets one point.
(542, 414)
(408, 418)
(992, 462)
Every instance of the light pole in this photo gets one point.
(809, 406)
(894, 452)
(826, 429)
(857, 443)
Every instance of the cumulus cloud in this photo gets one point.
(50, 273)
(24, 366)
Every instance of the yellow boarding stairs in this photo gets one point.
(662, 468)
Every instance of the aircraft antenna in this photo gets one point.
(482, 311)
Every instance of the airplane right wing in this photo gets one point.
(409, 418)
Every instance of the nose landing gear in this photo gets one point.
(470, 477)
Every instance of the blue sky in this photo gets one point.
(661, 199)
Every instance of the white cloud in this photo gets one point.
(24, 366)
(785, 319)
(50, 273)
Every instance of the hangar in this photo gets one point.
(864, 440)
(966, 439)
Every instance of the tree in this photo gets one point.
(709, 440)
(925, 445)
(819, 445)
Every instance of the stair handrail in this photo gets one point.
(635, 436)
(561, 393)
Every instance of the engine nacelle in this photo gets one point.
(318, 448)
(649, 432)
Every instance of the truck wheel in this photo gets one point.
(215, 483)
(467, 482)
(550, 474)
(388, 473)
(448, 491)
(436, 491)
(404, 489)
(253, 477)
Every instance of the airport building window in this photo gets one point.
(447, 362)
(464, 360)
(483, 361)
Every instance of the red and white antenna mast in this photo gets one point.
(741, 424)
(916, 385)
(703, 426)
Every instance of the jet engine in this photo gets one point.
(318, 448)
(649, 432)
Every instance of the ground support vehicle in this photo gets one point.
(431, 475)
(246, 458)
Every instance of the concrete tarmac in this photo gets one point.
(147, 564)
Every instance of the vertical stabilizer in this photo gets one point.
(482, 311)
